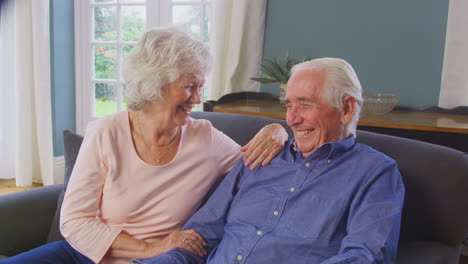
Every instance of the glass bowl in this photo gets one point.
(379, 104)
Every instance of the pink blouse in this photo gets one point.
(111, 190)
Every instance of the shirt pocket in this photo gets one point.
(318, 218)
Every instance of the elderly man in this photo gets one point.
(324, 199)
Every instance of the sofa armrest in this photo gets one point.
(26, 217)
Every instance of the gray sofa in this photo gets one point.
(435, 214)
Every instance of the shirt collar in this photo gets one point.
(330, 149)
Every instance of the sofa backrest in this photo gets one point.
(71, 146)
(435, 177)
(240, 128)
(436, 183)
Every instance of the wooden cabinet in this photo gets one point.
(438, 128)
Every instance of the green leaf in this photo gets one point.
(282, 73)
(275, 70)
(283, 67)
(271, 69)
(306, 58)
(290, 62)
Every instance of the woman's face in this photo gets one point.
(180, 96)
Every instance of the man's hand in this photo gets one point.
(264, 147)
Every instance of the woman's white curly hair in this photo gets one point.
(160, 57)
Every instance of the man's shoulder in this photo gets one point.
(368, 152)
(372, 163)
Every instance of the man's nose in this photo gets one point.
(293, 116)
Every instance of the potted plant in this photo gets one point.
(278, 71)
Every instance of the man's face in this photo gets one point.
(309, 114)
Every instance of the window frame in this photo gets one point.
(84, 79)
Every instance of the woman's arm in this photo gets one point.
(78, 223)
(264, 147)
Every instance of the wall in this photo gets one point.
(62, 70)
(395, 46)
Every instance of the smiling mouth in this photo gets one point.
(304, 132)
(186, 109)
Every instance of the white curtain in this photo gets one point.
(454, 88)
(237, 30)
(25, 95)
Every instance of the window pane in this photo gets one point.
(124, 101)
(104, 99)
(125, 50)
(188, 17)
(105, 61)
(133, 22)
(104, 1)
(105, 23)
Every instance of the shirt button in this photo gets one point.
(292, 189)
(259, 233)
(276, 213)
(239, 257)
(307, 165)
(329, 160)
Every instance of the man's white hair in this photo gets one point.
(341, 80)
(160, 57)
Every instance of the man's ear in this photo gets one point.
(349, 107)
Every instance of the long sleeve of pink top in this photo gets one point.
(111, 190)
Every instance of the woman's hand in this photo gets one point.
(126, 246)
(264, 147)
(187, 239)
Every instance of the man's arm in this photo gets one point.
(209, 221)
(374, 219)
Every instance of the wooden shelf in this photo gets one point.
(399, 119)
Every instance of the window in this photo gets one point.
(106, 31)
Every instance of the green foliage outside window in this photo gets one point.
(105, 56)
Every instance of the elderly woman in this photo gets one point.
(142, 173)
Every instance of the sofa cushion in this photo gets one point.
(71, 147)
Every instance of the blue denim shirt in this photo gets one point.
(342, 204)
